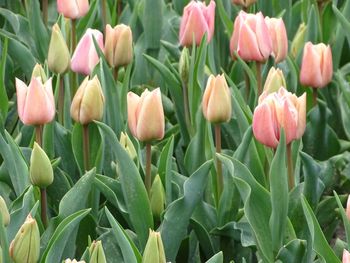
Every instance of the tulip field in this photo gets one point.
(154, 131)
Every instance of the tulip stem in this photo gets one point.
(43, 206)
(39, 134)
(314, 96)
(247, 85)
(86, 146)
(104, 13)
(220, 179)
(258, 78)
(187, 108)
(148, 176)
(74, 35)
(61, 101)
(45, 11)
(291, 182)
(115, 74)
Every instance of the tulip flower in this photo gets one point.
(58, 58)
(157, 197)
(73, 9)
(128, 145)
(244, 3)
(41, 173)
(35, 103)
(317, 66)
(216, 103)
(38, 72)
(85, 56)
(346, 256)
(275, 80)
(118, 45)
(154, 250)
(4, 212)
(25, 247)
(251, 37)
(97, 255)
(278, 37)
(146, 115)
(298, 40)
(88, 102)
(197, 20)
(278, 110)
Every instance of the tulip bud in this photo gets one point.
(58, 57)
(128, 145)
(154, 250)
(25, 247)
(274, 81)
(41, 173)
(68, 260)
(184, 65)
(35, 103)
(279, 39)
(299, 40)
(118, 45)
(38, 72)
(146, 115)
(244, 3)
(73, 9)
(317, 66)
(157, 197)
(197, 20)
(85, 56)
(346, 256)
(216, 102)
(251, 38)
(4, 212)
(88, 102)
(97, 255)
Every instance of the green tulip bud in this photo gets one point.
(4, 212)
(58, 57)
(68, 260)
(275, 80)
(97, 255)
(38, 71)
(25, 247)
(298, 40)
(184, 65)
(157, 197)
(128, 145)
(41, 173)
(154, 250)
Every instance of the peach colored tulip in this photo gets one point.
(35, 103)
(244, 3)
(251, 37)
(197, 20)
(85, 56)
(346, 256)
(146, 115)
(317, 65)
(278, 110)
(279, 39)
(216, 103)
(73, 9)
(118, 45)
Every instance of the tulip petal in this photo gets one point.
(77, 99)
(110, 42)
(327, 66)
(301, 116)
(248, 48)
(236, 31)
(83, 6)
(289, 121)
(209, 14)
(310, 72)
(68, 8)
(263, 37)
(21, 89)
(346, 256)
(207, 94)
(133, 102)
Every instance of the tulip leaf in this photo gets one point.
(176, 218)
(312, 30)
(3, 94)
(152, 23)
(132, 186)
(225, 18)
(345, 219)
(293, 252)
(217, 258)
(165, 169)
(344, 22)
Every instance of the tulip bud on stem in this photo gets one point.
(86, 146)
(290, 167)
(220, 179)
(148, 176)
(45, 11)
(38, 134)
(258, 77)
(314, 96)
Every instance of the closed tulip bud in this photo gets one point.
(346, 256)
(85, 56)
(38, 72)
(4, 212)
(184, 65)
(317, 65)
(197, 20)
(157, 197)
(128, 145)
(97, 255)
(279, 39)
(146, 115)
(274, 81)
(244, 3)
(25, 247)
(88, 102)
(250, 38)
(216, 102)
(298, 40)
(35, 103)
(154, 250)
(58, 58)
(73, 9)
(278, 110)
(118, 45)
(41, 173)
(68, 260)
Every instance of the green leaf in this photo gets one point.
(293, 252)
(3, 94)
(345, 219)
(312, 26)
(226, 20)
(343, 21)
(152, 23)
(176, 218)
(217, 258)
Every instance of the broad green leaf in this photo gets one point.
(343, 21)
(293, 252)
(203, 238)
(312, 26)
(345, 220)
(217, 258)
(225, 18)
(152, 23)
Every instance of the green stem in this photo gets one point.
(314, 96)
(45, 11)
(220, 179)
(291, 182)
(119, 10)
(187, 109)
(43, 206)
(61, 101)
(39, 135)
(258, 77)
(115, 74)
(104, 13)
(148, 176)
(247, 85)
(86, 146)
(73, 46)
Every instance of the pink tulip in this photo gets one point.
(73, 9)
(278, 37)
(85, 56)
(35, 103)
(146, 115)
(346, 256)
(317, 66)
(197, 20)
(278, 110)
(250, 37)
